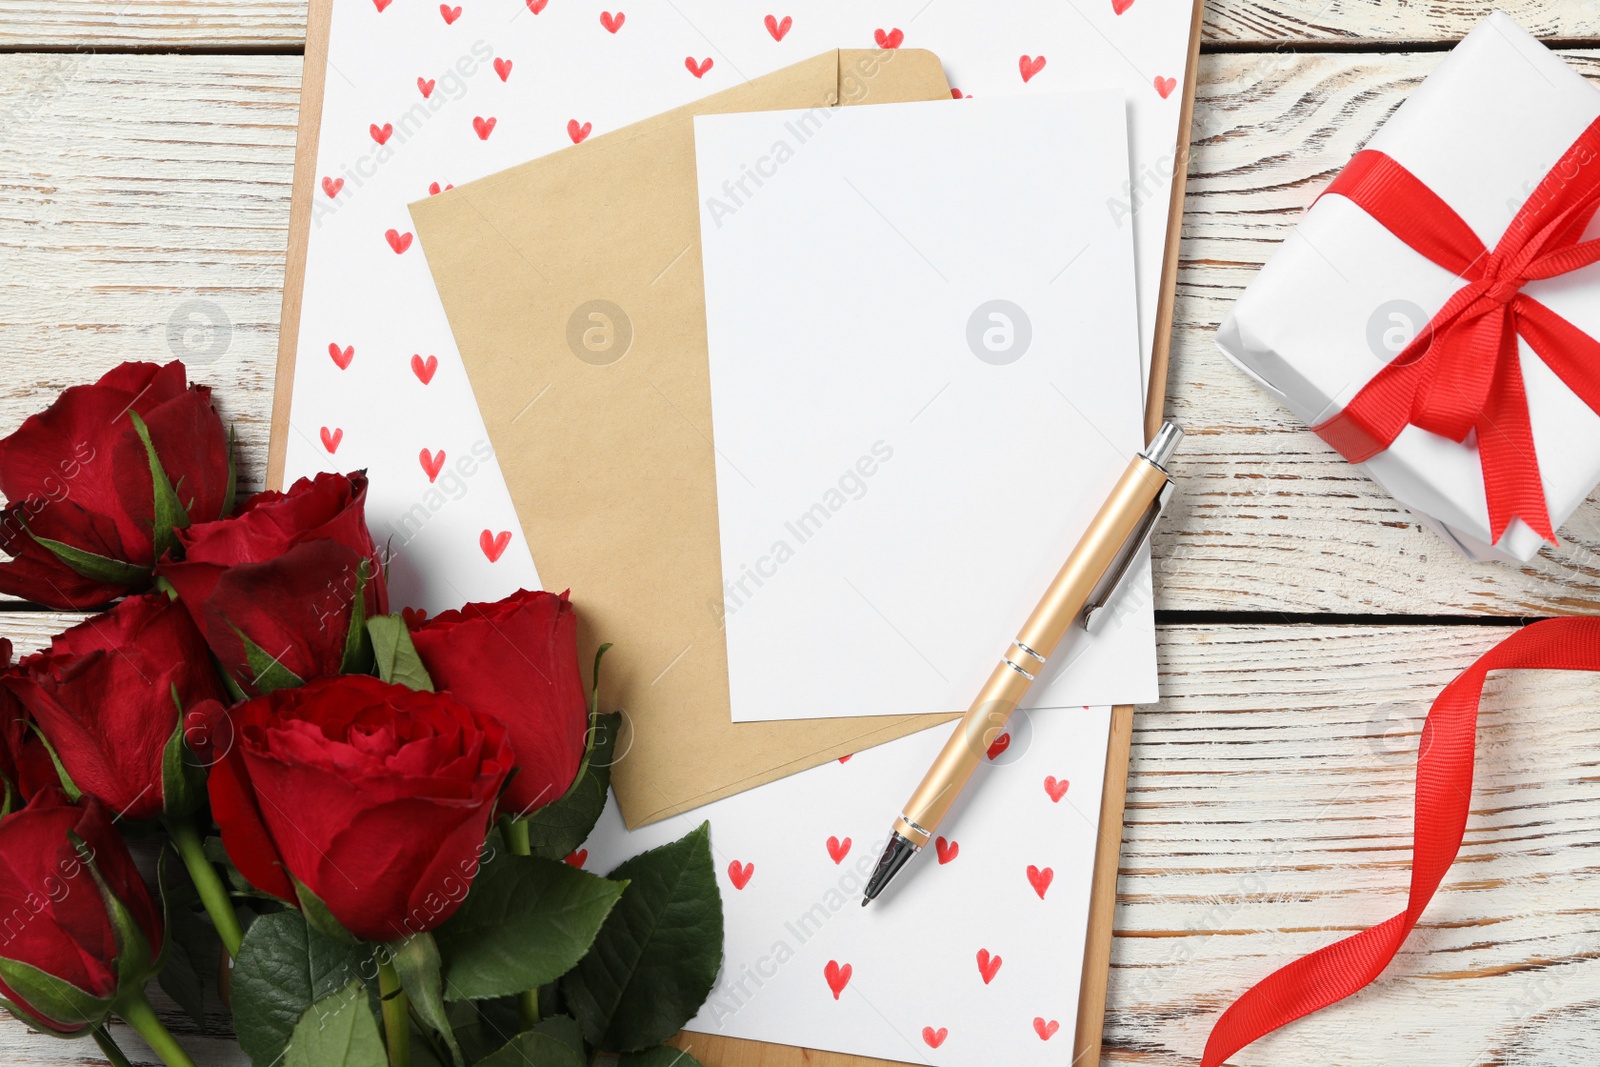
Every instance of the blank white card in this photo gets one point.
(925, 379)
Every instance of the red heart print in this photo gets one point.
(381, 4)
(988, 966)
(838, 849)
(1056, 789)
(397, 240)
(341, 356)
(413, 617)
(611, 22)
(957, 94)
(1164, 86)
(483, 126)
(494, 544)
(450, 14)
(1119, 6)
(331, 186)
(537, 6)
(330, 440)
(999, 745)
(578, 858)
(838, 977)
(1045, 1030)
(779, 30)
(433, 463)
(424, 368)
(502, 67)
(381, 134)
(934, 1038)
(1040, 879)
(739, 874)
(846, 759)
(576, 132)
(425, 87)
(1030, 65)
(697, 69)
(947, 850)
(891, 39)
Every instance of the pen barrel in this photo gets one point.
(983, 722)
(1110, 532)
(1113, 527)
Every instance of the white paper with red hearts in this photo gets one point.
(972, 957)
(420, 94)
(461, 90)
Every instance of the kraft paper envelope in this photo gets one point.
(573, 286)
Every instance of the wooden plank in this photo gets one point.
(280, 24)
(147, 193)
(1269, 813)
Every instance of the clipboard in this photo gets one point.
(727, 1052)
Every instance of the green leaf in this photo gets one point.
(68, 787)
(95, 567)
(555, 830)
(527, 921)
(338, 1031)
(194, 951)
(416, 960)
(169, 512)
(284, 967)
(657, 956)
(357, 645)
(267, 672)
(548, 1044)
(397, 657)
(660, 1056)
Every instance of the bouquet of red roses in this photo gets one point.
(367, 812)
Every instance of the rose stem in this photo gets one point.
(136, 1012)
(213, 894)
(114, 1054)
(396, 1014)
(516, 834)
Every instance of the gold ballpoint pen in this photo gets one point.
(1084, 586)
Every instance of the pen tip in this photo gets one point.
(865, 901)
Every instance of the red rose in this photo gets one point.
(108, 696)
(274, 587)
(374, 798)
(25, 764)
(81, 482)
(517, 659)
(61, 964)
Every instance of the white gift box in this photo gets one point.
(1343, 295)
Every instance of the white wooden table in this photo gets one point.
(1306, 621)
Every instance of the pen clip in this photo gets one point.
(1093, 616)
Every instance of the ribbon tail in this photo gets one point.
(1444, 789)
(1512, 484)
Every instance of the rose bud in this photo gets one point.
(80, 930)
(362, 800)
(517, 659)
(122, 699)
(282, 589)
(25, 764)
(97, 483)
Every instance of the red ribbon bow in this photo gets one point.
(1463, 372)
(1444, 787)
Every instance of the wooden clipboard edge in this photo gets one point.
(1114, 790)
(313, 74)
(730, 1052)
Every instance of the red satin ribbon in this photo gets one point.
(1444, 787)
(1462, 372)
